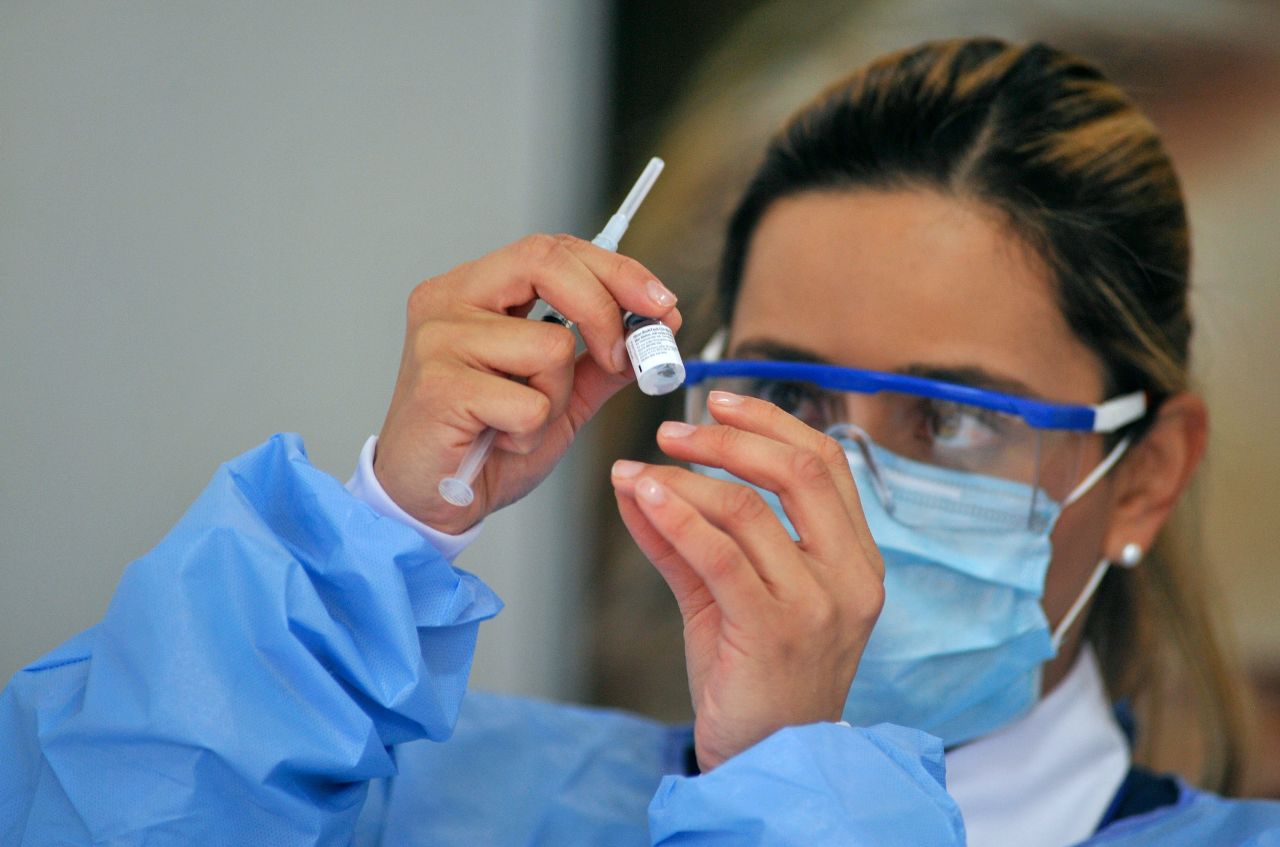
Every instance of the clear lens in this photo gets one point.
(929, 434)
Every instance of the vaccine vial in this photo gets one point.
(654, 355)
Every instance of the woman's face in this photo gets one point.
(916, 281)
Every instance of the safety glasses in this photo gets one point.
(927, 440)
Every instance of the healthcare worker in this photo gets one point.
(951, 397)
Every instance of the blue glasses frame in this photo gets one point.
(1104, 417)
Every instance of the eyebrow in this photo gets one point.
(969, 375)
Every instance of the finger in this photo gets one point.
(592, 386)
(801, 478)
(687, 587)
(709, 552)
(543, 266)
(540, 353)
(759, 416)
(734, 508)
(764, 418)
(613, 268)
(623, 278)
(517, 411)
(508, 280)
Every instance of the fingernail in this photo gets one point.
(659, 294)
(650, 492)
(620, 355)
(625, 468)
(676, 429)
(724, 398)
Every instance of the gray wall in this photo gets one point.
(210, 217)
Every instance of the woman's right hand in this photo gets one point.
(467, 336)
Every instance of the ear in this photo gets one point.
(1157, 470)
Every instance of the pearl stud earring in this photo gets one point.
(1131, 554)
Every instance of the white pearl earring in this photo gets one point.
(1131, 554)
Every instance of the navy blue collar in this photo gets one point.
(1142, 791)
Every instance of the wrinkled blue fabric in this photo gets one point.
(830, 800)
(287, 668)
(250, 675)
(1198, 818)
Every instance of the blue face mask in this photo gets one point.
(958, 647)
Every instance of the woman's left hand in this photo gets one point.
(774, 628)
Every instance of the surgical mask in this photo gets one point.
(959, 644)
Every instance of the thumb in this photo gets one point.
(592, 386)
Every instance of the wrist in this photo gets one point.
(366, 486)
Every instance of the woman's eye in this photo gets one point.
(953, 426)
(806, 402)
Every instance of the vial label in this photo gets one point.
(650, 346)
(655, 358)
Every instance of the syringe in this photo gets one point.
(457, 489)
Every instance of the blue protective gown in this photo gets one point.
(286, 667)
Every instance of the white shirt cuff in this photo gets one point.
(365, 486)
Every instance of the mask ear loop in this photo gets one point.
(1099, 472)
(1100, 570)
(1129, 559)
(1074, 612)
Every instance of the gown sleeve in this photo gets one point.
(250, 677)
(823, 784)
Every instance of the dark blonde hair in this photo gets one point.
(1082, 176)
